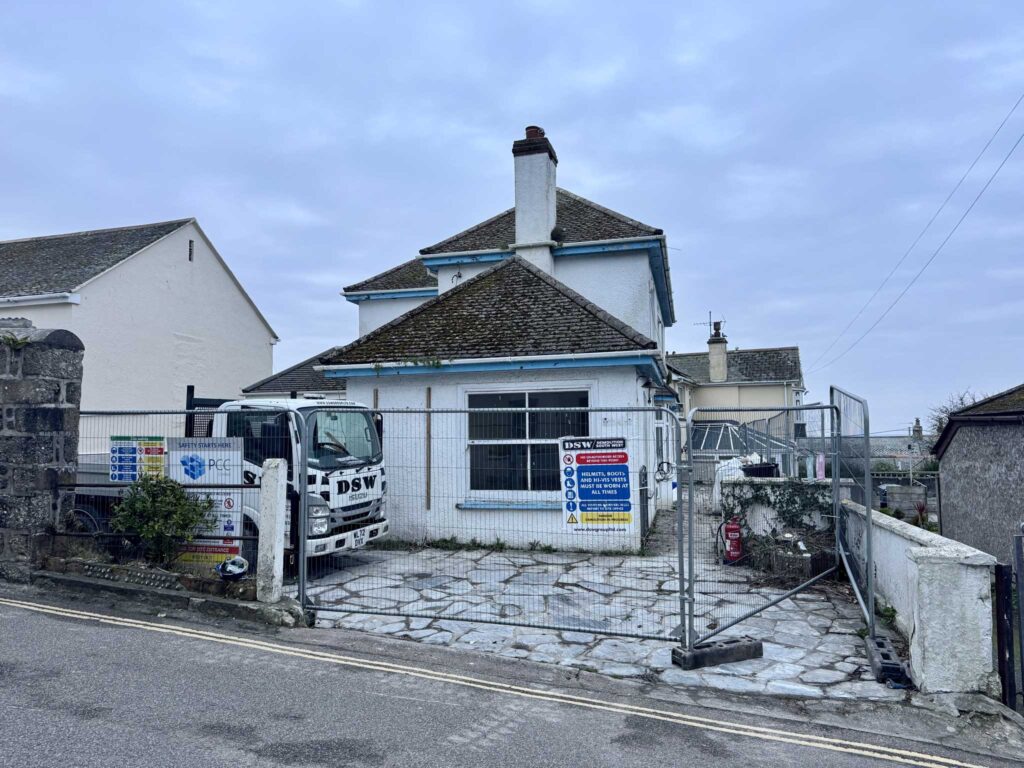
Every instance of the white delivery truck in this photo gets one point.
(345, 479)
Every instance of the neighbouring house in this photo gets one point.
(738, 378)
(557, 302)
(300, 380)
(981, 473)
(156, 306)
(902, 452)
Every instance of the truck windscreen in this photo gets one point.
(343, 438)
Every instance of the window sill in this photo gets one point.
(489, 505)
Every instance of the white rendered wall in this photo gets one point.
(157, 322)
(454, 275)
(620, 284)
(941, 590)
(405, 448)
(42, 315)
(373, 314)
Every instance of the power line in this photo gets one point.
(920, 234)
(931, 258)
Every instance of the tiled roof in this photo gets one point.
(512, 309)
(411, 274)
(580, 220)
(61, 263)
(299, 378)
(1009, 402)
(743, 365)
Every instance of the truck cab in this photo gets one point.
(345, 479)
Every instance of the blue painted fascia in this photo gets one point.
(655, 256)
(433, 262)
(407, 293)
(641, 361)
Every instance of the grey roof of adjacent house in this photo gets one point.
(412, 274)
(1003, 408)
(1009, 402)
(580, 220)
(62, 263)
(512, 309)
(906, 446)
(300, 378)
(743, 365)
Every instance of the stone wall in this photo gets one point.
(40, 390)
(982, 476)
(941, 592)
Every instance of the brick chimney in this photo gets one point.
(918, 431)
(718, 365)
(535, 162)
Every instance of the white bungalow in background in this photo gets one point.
(555, 303)
(156, 306)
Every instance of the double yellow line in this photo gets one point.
(889, 754)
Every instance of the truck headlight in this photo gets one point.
(319, 515)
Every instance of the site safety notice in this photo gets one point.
(596, 492)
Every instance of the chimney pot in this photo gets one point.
(534, 132)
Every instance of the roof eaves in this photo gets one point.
(437, 248)
(614, 214)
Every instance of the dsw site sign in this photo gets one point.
(596, 492)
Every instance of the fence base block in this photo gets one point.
(718, 652)
(885, 662)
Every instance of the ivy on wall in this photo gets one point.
(795, 503)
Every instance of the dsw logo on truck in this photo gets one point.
(357, 484)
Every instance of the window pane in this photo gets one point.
(545, 426)
(497, 426)
(544, 467)
(264, 435)
(497, 467)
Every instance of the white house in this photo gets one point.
(555, 303)
(155, 304)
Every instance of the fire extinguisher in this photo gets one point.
(733, 544)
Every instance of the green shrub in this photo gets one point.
(163, 515)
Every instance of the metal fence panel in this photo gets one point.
(492, 516)
(214, 454)
(761, 511)
(854, 467)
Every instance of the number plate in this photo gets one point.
(359, 538)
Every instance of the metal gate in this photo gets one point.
(767, 477)
(494, 516)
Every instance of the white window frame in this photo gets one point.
(527, 494)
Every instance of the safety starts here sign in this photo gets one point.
(596, 493)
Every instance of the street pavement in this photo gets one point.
(104, 690)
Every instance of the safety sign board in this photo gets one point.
(132, 456)
(596, 491)
(205, 460)
(210, 462)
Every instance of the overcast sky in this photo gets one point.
(791, 154)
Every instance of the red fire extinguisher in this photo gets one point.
(733, 544)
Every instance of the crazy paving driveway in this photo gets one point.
(559, 608)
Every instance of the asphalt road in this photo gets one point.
(77, 691)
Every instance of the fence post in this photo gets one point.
(1018, 569)
(1004, 634)
(273, 508)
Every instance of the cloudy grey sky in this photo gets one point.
(790, 151)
